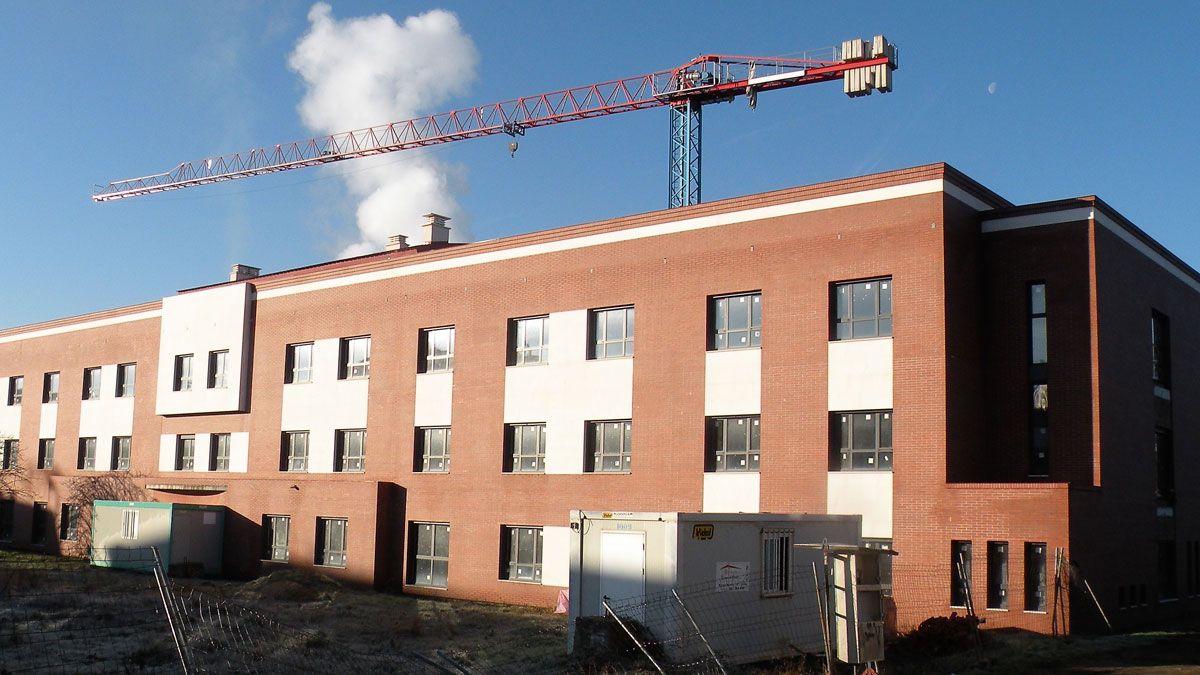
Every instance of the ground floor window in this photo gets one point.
(521, 553)
(776, 562)
(997, 575)
(331, 542)
(960, 573)
(1035, 577)
(429, 554)
(40, 524)
(7, 507)
(68, 522)
(275, 537)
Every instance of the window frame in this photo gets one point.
(842, 441)
(271, 547)
(719, 331)
(39, 524)
(716, 444)
(775, 547)
(218, 369)
(122, 449)
(130, 524)
(343, 461)
(289, 459)
(185, 461)
(422, 459)
(514, 448)
(600, 342)
(597, 450)
(10, 450)
(45, 453)
(522, 355)
(68, 522)
(418, 554)
(348, 368)
(87, 454)
(92, 380)
(126, 385)
(428, 359)
(181, 378)
(997, 575)
(1035, 577)
(511, 558)
(292, 371)
(851, 318)
(50, 382)
(16, 390)
(957, 592)
(1160, 349)
(218, 461)
(326, 554)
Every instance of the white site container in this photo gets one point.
(725, 575)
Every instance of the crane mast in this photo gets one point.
(862, 66)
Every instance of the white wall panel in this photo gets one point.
(860, 374)
(10, 415)
(731, 492)
(864, 492)
(733, 382)
(325, 405)
(434, 394)
(197, 323)
(48, 422)
(166, 452)
(556, 556)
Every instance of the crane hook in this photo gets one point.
(512, 149)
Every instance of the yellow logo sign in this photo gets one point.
(702, 532)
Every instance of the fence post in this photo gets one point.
(160, 578)
(699, 632)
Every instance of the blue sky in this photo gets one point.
(1089, 98)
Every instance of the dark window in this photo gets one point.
(732, 444)
(609, 445)
(91, 384)
(960, 573)
(68, 522)
(126, 380)
(433, 450)
(1038, 342)
(997, 575)
(331, 542)
(436, 350)
(350, 450)
(16, 389)
(776, 562)
(611, 333)
(529, 341)
(185, 453)
(218, 367)
(182, 380)
(294, 455)
(736, 321)
(1164, 457)
(40, 525)
(9, 450)
(862, 309)
(87, 454)
(1039, 411)
(299, 368)
(1160, 349)
(862, 441)
(121, 449)
(521, 553)
(218, 452)
(526, 448)
(429, 554)
(1035, 577)
(7, 508)
(275, 538)
(50, 388)
(1168, 588)
(46, 453)
(1039, 430)
(355, 358)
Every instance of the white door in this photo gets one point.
(623, 571)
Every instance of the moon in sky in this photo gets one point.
(992, 88)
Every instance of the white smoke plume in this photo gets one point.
(363, 71)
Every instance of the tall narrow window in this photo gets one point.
(40, 525)
(1039, 410)
(776, 562)
(526, 448)
(295, 451)
(185, 453)
(436, 350)
(1035, 577)
(736, 321)
(529, 341)
(275, 537)
(862, 309)
(355, 358)
(7, 510)
(1164, 456)
(1160, 350)
(732, 444)
(331, 542)
(126, 380)
(299, 368)
(91, 384)
(16, 389)
(521, 553)
(1038, 344)
(121, 449)
(46, 453)
(609, 446)
(50, 388)
(218, 365)
(219, 452)
(87, 454)
(1039, 430)
(862, 441)
(997, 575)
(183, 373)
(350, 450)
(8, 454)
(960, 572)
(429, 557)
(611, 333)
(433, 450)
(68, 522)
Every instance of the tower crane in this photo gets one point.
(862, 65)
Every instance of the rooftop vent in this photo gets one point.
(436, 230)
(241, 272)
(396, 242)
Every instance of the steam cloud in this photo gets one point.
(364, 71)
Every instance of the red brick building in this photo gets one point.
(426, 417)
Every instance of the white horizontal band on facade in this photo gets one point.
(86, 325)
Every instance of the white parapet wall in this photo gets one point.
(197, 324)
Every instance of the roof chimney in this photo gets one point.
(436, 230)
(241, 272)
(396, 242)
